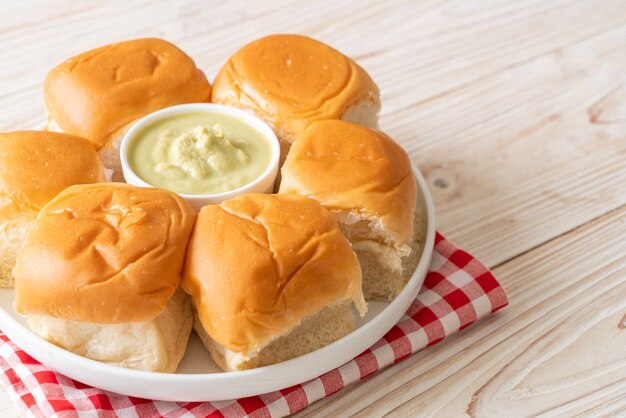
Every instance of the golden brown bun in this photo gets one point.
(291, 81)
(259, 264)
(35, 166)
(349, 167)
(104, 253)
(100, 91)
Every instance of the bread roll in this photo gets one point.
(99, 271)
(366, 180)
(292, 80)
(157, 345)
(34, 167)
(100, 93)
(272, 278)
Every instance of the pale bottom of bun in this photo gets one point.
(154, 346)
(53, 126)
(109, 154)
(363, 113)
(12, 236)
(327, 326)
(386, 269)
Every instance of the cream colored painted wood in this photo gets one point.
(7, 408)
(516, 114)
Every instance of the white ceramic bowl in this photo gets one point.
(263, 184)
(197, 377)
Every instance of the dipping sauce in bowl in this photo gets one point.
(207, 153)
(199, 153)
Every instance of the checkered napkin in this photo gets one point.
(458, 290)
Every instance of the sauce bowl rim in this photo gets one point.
(255, 122)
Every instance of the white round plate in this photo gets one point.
(198, 378)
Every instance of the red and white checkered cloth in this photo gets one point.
(458, 290)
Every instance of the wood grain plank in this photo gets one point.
(520, 157)
(557, 349)
(415, 50)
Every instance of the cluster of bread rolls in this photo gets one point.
(119, 274)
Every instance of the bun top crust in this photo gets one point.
(348, 167)
(35, 166)
(292, 80)
(96, 93)
(258, 264)
(104, 253)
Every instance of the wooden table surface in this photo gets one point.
(515, 111)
